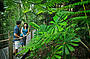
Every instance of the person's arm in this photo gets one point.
(28, 31)
(21, 31)
(15, 32)
(16, 35)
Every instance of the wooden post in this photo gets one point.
(10, 46)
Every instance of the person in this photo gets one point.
(24, 32)
(17, 35)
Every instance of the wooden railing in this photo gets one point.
(10, 42)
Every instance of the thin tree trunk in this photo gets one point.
(86, 15)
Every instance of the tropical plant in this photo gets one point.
(63, 33)
(59, 38)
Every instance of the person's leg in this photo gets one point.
(22, 42)
(16, 46)
(16, 50)
(24, 39)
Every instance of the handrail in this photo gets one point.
(13, 38)
(8, 39)
(10, 42)
(20, 38)
(4, 40)
(5, 33)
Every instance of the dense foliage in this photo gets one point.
(61, 25)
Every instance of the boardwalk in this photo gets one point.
(4, 53)
(27, 41)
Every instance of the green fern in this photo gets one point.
(58, 39)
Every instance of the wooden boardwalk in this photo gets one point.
(10, 47)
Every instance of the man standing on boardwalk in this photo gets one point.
(17, 35)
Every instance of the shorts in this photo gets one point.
(21, 42)
(17, 44)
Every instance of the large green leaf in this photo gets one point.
(56, 18)
(75, 40)
(34, 25)
(74, 44)
(57, 56)
(70, 48)
(66, 50)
